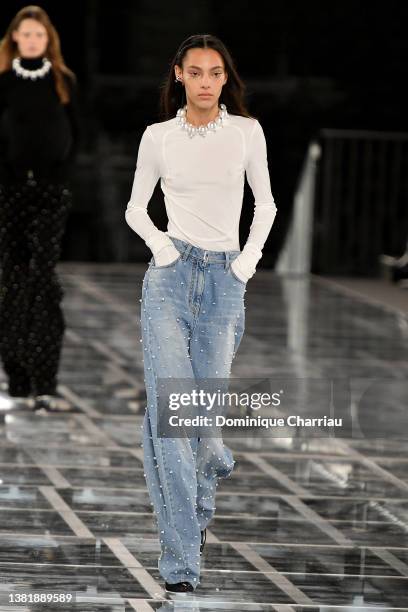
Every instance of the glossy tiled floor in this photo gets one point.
(304, 524)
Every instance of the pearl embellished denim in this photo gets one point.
(33, 216)
(193, 319)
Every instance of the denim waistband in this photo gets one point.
(188, 250)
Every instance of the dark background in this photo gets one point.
(307, 66)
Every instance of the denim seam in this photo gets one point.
(196, 315)
(236, 327)
(203, 271)
(170, 514)
(194, 267)
(145, 285)
(148, 333)
(235, 337)
(186, 578)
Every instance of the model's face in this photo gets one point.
(203, 74)
(31, 38)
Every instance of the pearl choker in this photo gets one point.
(39, 73)
(203, 130)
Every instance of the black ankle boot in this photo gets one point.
(179, 587)
(203, 539)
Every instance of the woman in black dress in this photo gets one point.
(38, 138)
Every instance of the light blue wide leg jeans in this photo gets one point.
(192, 319)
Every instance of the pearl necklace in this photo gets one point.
(39, 73)
(203, 130)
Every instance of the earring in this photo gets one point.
(177, 80)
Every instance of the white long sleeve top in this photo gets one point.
(202, 179)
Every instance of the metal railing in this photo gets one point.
(296, 255)
(351, 207)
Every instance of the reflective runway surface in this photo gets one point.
(304, 523)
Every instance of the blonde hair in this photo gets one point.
(9, 49)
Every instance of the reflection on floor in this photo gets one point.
(304, 524)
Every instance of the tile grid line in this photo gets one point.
(324, 525)
(272, 574)
(306, 506)
(81, 530)
(212, 539)
(130, 562)
(296, 503)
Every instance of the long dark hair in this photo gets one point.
(172, 95)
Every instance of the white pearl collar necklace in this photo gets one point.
(39, 73)
(202, 130)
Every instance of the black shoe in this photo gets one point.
(203, 539)
(53, 403)
(179, 587)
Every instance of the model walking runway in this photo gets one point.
(38, 112)
(193, 292)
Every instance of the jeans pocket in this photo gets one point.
(236, 277)
(170, 265)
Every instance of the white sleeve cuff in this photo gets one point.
(244, 265)
(166, 255)
(157, 240)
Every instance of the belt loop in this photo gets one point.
(227, 258)
(187, 251)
